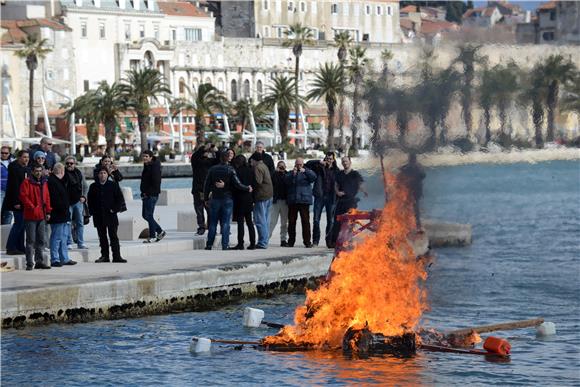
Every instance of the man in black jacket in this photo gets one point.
(59, 217)
(201, 161)
(220, 182)
(324, 195)
(77, 191)
(105, 199)
(266, 158)
(150, 190)
(17, 173)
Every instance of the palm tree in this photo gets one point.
(342, 41)
(281, 94)
(34, 49)
(83, 107)
(356, 69)
(242, 111)
(208, 100)
(386, 56)
(468, 57)
(534, 93)
(297, 36)
(110, 102)
(329, 83)
(556, 71)
(140, 87)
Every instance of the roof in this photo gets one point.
(181, 9)
(488, 12)
(14, 28)
(408, 8)
(406, 23)
(547, 6)
(431, 27)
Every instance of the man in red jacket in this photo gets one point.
(35, 200)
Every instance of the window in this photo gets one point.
(220, 85)
(379, 10)
(366, 37)
(389, 10)
(246, 89)
(141, 31)
(49, 75)
(265, 4)
(86, 85)
(266, 31)
(368, 9)
(127, 31)
(280, 32)
(173, 34)
(259, 90)
(234, 90)
(83, 29)
(192, 34)
(548, 36)
(334, 9)
(156, 31)
(302, 6)
(314, 33)
(290, 6)
(552, 15)
(181, 86)
(313, 7)
(102, 34)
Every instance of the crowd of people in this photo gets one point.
(257, 195)
(50, 203)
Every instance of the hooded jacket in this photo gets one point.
(151, 178)
(35, 199)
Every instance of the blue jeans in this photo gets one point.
(15, 240)
(220, 210)
(327, 201)
(76, 225)
(262, 220)
(6, 216)
(58, 247)
(147, 212)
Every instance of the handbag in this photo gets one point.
(86, 214)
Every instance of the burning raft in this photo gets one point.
(372, 299)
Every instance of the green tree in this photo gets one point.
(242, 110)
(297, 36)
(208, 100)
(454, 11)
(110, 103)
(33, 50)
(356, 70)
(329, 83)
(534, 93)
(281, 93)
(557, 71)
(468, 58)
(342, 41)
(140, 87)
(83, 107)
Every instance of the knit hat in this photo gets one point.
(38, 154)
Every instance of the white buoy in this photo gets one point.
(253, 317)
(546, 329)
(200, 344)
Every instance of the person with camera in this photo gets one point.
(299, 183)
(77, 192)
(218, 195)
(201, 161)
(108, 163)
(105, 200)
(324, 195)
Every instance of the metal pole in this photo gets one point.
(181, 145)
(46, 122)
(172, 140)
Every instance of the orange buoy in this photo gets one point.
(497, 345)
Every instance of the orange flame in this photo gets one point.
(377, 283)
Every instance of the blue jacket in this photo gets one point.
(300, 187)
(4, 175)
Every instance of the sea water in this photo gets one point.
(524, 263)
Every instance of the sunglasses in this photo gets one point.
(5, 153)
(49, 143)
(70, 163)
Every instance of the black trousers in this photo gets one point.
(247, 217)
(199, 207)
(293, 211)
(342, 207)
(103, 230)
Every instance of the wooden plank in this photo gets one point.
(498, 327)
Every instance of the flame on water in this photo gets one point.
(377, 283)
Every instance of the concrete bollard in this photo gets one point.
(175, 196)
(186, 220)
(253, 317)
(127, 194)
(4, 232)
(546, 329)
(200, 344)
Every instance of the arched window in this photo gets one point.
(246, 89)
(208, 80)
(220, 85)
(181, 86)
(149, 60)
(234, 90)
(259, 90)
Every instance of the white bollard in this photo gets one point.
(200, 344)
(546, 329)
(253, 317)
